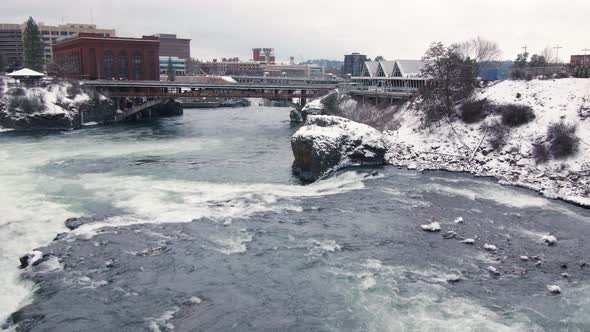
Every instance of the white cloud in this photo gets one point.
(327, 28)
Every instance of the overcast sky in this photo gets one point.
(310, 29)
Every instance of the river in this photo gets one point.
(198, 224)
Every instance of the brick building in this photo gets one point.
(93, 56)
(577, 60)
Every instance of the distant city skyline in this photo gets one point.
(328, 28)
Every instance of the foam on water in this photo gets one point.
(504, 196)
(152, 200)
(386, 298)
(154, 324)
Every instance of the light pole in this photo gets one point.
(584, 58)
(557, 47)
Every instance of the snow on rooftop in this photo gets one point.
(410, 68)
(25, 72)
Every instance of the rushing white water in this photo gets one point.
(207, 202)
(36, 196)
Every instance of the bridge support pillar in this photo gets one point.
(303, 100)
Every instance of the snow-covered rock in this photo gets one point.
(554, 289)
(432, 227)
(33, 258)
(58, 105)
(549, 240)
(493, 270)
(328, 143)
(314, 107)
(468, 241)
(524, 258)
(459, 220)
(490, 247)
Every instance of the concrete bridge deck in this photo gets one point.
(188, 85)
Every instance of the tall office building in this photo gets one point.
(353, 64)
(11, 46)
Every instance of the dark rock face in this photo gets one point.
(296, 116)
(169, 108)
(328, 143)
(37, 121)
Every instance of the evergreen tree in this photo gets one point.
(521, 60)
(538, 61)
(171, 71)
(32, 46)
(455, 79)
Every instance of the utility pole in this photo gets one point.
(557, 47)
(525, 48)
(584, 59)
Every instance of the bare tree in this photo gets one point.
(548, 54)
(480, 49)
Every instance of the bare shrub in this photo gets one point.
(473, 111)
(514, 115)
(563, 141)
(540, 153)
(497, 135)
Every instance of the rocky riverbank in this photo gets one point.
(468, 147)
(54, 105)
(62, 105)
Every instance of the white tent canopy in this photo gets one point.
(25, 72)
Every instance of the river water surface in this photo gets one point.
(196, 223)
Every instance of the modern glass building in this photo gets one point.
(178, 64)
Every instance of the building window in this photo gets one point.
(137, 65)
(123, 66)
(107, 65)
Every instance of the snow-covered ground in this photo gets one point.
(457, 146)
(451, 146)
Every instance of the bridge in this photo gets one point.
(132, 97)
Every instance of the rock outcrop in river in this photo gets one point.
(328, 143)
(57, 105)
(315, 107)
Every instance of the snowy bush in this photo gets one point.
(563, 141)
(514, 115)
(497, 135)
(473, 111)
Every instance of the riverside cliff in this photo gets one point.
(473, 146)
(65, 105)
(56, 105)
